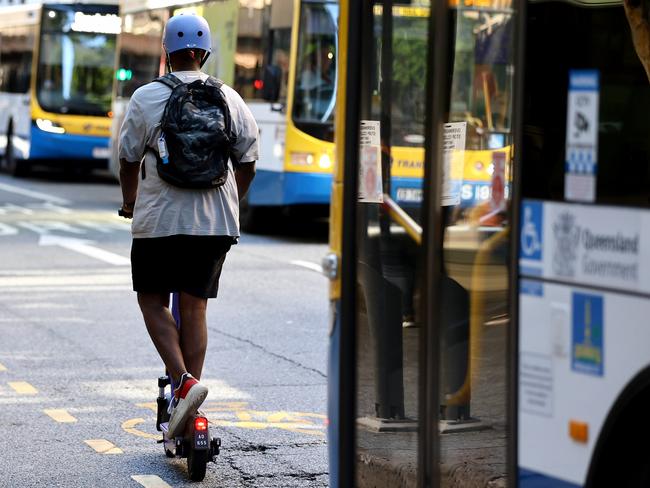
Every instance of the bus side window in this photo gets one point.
(15, 59)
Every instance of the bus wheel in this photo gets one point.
(618, 461)
(11, 164)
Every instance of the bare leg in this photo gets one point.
(162, 329)
(194, 332)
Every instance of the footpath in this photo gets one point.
(469, 459)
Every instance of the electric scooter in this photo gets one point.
(196, 444)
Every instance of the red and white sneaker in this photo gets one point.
(188, 397)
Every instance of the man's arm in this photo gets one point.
(132, 147)
(640, 32)
(244, 174)
(129, 182)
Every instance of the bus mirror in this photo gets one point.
(271, 86)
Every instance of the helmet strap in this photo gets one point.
(204, 59)
(168, 63)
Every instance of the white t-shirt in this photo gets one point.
(162, 209)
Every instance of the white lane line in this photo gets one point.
(107, 280)
(84, 247)
(96, 279)
(23, 400)
(7, 230)
(45, 227)
(66, 289)
(3, 367)
(33, 194)
(150, 481)
(309, 265)
(62, 271)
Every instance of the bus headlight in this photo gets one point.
(49, 126)
(325, 162)
(302, 159)
(278, 149)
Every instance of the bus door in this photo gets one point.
(374, 386)
(425, 112)
(470, 148)
(139, 60)
(262, 76)
(584, 268)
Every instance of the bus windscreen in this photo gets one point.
(315, 86)
(76, 58)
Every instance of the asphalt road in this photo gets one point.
(78, 371)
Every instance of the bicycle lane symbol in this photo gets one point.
(239, 415)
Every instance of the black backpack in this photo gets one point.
(197, 132)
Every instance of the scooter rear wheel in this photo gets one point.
(196, 464)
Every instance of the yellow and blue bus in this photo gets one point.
(56, 70)
(280, 56)
(526, 363)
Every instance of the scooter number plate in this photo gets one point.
(201, 440)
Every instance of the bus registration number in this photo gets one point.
(101, 153)
(409, 195)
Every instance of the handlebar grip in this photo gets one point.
(126, 215)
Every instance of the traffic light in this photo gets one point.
(123, 74)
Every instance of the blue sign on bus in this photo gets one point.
(588, 329)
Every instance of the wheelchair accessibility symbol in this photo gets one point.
(531, 231)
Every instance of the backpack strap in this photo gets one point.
(169, 80)
(211, 80)
(216, 82)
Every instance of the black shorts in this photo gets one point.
(191, 264)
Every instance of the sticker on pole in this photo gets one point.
(582, 136)
(370, 180)
(498, 191)
(453, 162)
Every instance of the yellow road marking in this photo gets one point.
(23, 388)
(150, 405)
(60, 415)
(150, 481)
(236, 414)
(2, 367)
(298, 427)
(206, 407)
(102, 446)
(129, 426)
(244, 416)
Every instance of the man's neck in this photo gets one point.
(188, 67)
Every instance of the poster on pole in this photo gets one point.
(498, 189)
(370, 177)
(582, 136)
(453, 157)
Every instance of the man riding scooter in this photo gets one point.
(182, 227)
